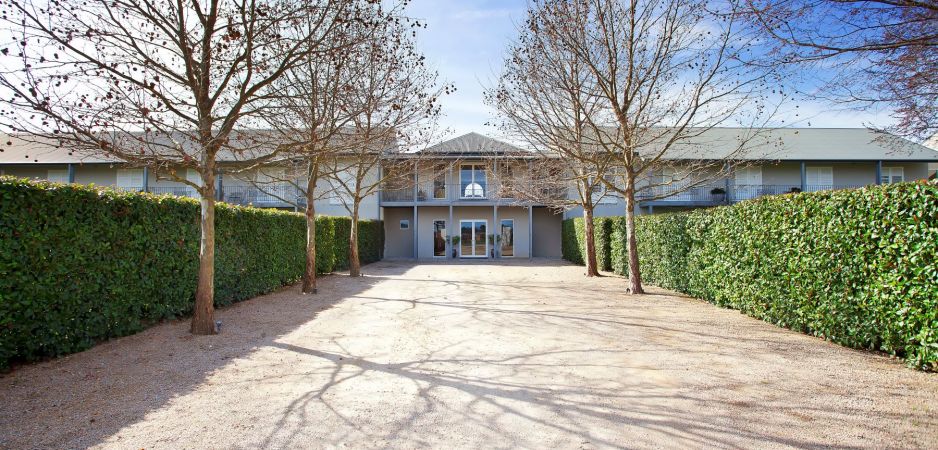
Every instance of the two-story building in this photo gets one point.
(452, 203)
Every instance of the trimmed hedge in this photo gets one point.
(370, 232)
(573, 242)
(857, 267)
(80, 264)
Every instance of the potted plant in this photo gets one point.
(718, 194)
(454, 243)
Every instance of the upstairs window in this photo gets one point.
(472, 180)
(892, 175)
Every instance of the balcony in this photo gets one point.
(718, 194)
(431, 192)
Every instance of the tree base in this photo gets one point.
(204, 329)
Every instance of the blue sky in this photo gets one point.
(466, 41)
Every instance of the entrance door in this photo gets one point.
(439, 238)
(508, 238)
(473, 238)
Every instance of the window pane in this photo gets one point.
(439, 238)
(478, 177)
(439, 183)
(465, 179)
(480, 238)
(508, 238)
(465, 238)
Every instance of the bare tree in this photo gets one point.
(542, 98)
(871, 52)
(396, 95)
(158, 83)
(662, 75)
(310, 114)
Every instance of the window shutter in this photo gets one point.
(58, 176)
(130, 179)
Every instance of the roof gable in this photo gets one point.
(473, 144)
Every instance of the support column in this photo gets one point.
(220, 186)
(450, 183)
(414, 227)
(71, 173)
(651, 209)
(879, 172)
(804, 177)
(452, 227)
(726, 183)
(496, 231)
(530, 231)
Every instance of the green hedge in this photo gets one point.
(370, 241)
(857, 267)
(573, 242)
(80, 264)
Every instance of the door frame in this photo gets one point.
(485, 254)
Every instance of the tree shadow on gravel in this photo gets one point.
(81, 399)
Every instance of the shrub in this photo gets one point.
(571, 233)
(573, 241)
(80, 264)
(857, 267)
(370, 241)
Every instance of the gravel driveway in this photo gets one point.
(522, 354)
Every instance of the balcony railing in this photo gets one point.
(178, 191)
(718, 194)
(270, 196)
(446, 192)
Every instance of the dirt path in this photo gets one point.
(525, 354)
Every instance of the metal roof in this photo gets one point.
(798, 144)
(474, 144)
(802, 144)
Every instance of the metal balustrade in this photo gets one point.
(430, 192)
(178, 191)
(718, 194)
(271, 195)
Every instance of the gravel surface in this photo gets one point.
(522, 354)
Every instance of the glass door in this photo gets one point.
(473, 240)
(507, 234)
(439, 238)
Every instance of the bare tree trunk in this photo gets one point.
(203, 316)
(309, 276)
(635, 275)
(591, 269)
(354, 265)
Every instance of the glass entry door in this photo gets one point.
(439, 238)
(507, 239)
(473, 238)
